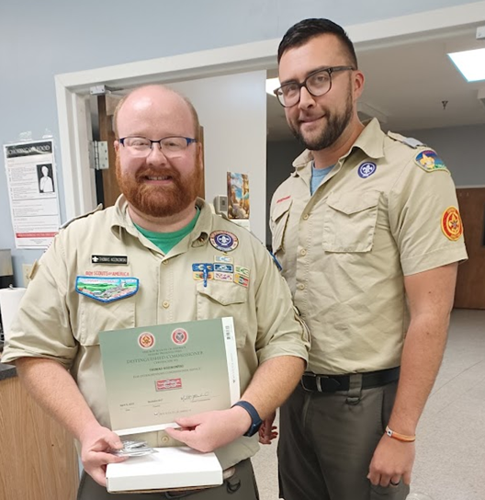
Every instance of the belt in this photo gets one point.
(334, 383)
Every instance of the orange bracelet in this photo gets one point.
(399, 437)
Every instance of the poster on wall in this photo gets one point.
(33, 192)
(237, 196)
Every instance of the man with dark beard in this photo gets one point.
(366, 228)
(158, 235)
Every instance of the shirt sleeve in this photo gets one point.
(42, 326)
(424, 219)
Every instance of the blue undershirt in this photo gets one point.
(318, 174)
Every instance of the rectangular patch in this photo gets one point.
(168, 384)
(223, 259)
(106, 289)
(106, 273)
(244, 271)
(109, 259)
(199, 276)
(218, 276)
(241, 280)
(202, 266)
(224, 268)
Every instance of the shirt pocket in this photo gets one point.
(279, 222)
(220, 299)
(349, 222)
(98, 316)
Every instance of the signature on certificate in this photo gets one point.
(200, 396)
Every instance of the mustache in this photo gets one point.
(143, 172)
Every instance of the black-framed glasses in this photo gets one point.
(170, 146)
(317, 83)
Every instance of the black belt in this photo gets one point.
(333, 383)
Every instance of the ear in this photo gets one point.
(200, 155)
(358, 83)
(116, 145)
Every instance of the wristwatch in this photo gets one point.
(256, 421)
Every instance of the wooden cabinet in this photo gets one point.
(38, 460)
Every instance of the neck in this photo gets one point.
(330, 156)
(167, 224)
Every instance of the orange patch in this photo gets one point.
(451, 224)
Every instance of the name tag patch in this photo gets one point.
(109, 259)
(107, 289)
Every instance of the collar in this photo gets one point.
(371, 141)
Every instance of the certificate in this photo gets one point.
(155, 374)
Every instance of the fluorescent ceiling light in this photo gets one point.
(471, 63)
(272, 84)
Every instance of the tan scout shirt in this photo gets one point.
(376, 217)
(58, 323)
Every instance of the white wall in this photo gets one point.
(232, 110)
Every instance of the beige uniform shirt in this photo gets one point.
(385, 211)
(58, 323)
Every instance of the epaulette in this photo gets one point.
(409, 141)
(97, 209)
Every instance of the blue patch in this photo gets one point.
(223, 241)
(106, 289)
(201, 267)
(367, 169)
(224, 268)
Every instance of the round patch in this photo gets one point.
(224, 241)
(367, 169)
(146, 340)
(179, 336)
(451, 224)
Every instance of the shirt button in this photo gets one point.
(305, 217)
(165, 439)
(303, 252)
(165, 262)
(166, 304)
(301, 286)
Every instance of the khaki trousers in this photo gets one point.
(240, 486)
(327, 441)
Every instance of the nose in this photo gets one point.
(156, 156)
(306, 99)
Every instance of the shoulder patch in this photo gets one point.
(451, 224)
(97, 209)
(429, 161)
(409, 141)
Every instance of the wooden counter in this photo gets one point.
(38, 460)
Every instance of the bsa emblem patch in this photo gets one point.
(224, 241)
(180, 336)
(106, 289)
(146, 340)
(367, 169)
(429, 161)
(451, 224)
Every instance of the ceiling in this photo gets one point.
(406, 86)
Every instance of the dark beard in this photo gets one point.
(159, 201)
(336, 124)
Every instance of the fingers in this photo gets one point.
(189, 422)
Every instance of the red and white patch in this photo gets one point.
(168, 384)
(180, 336)
(283, 199)
(146, 340)
(451, 224)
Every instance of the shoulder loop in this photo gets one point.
(409, 141)
(97, 209)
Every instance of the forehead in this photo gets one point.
(156, 113)
(319, 51)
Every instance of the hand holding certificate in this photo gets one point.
(158, 374)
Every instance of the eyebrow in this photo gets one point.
(316, 70)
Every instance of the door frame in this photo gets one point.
(72, 89)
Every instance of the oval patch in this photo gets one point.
(451, 224)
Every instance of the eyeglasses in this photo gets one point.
(317, 83)
(171, 147)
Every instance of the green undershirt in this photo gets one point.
(166, 241)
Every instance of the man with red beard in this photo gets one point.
(158, 235)
(366, 229)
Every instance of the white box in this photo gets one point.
(168, 468)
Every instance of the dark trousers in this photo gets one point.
(327, 441)
(241, 486)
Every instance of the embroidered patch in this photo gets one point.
(241, 280)
(243, 271)
(429, 161)
(218, 276)
(223, 259)
(202, 266)
(106, 289)
(367, 169)
(199, 276)
(224, 241)
(224, 268)
(283, 199)
(451, 224)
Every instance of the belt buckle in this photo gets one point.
(302, 380)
